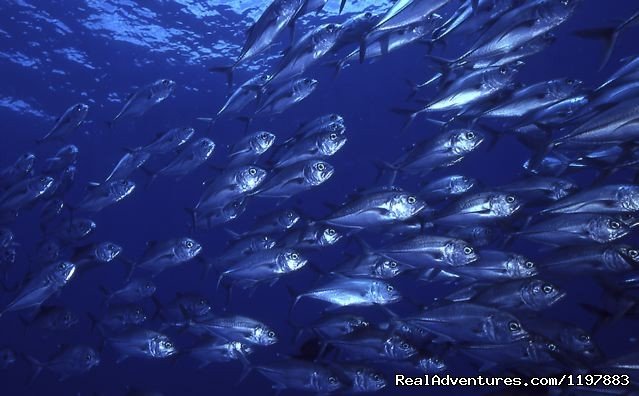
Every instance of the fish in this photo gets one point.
(236, 328)
(407, 12)
(492, 266)
(242, 246)
(300, 375)
(71, 230)
(294, 179)
(532, 351)
(519, 294)
(68, 122)
(219, 351)
(119, 318)
(20, 170)
(331, 327)
(41, 286)
(277, 16)
(592, 259)
(308, 50)
(168, 141)
(447, 187)
(247, 150)
(129, 162)
(578, 228)
(373, 348)
(211, 218)
(276, 222)
(614, 198)
(142, 100)
(104, 252)
(311, 146)
(242, 97)
(64, 157)
(68, 362)
(287, 95)
(192, 157)
(464, 322)
(313, 236)
(424, 251)
(342, 291)
(377, 209)
(263, 266)
(361, 379)
(101, 195)
(479, 208)
(24, 193)
(52, 318)
(162, 255)
(446, 149)
(541, 188)
(133, 290)
(142, 343)
(231, 185)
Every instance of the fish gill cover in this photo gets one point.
(223, 197)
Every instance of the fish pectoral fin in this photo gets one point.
(295, 181)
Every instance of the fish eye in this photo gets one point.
(168, 344)
(202, 302)
(88, 358)
(165, 82)
(295, 256)
(189, 244)
(333, 136)
(368, 15)
(265, 77)
(502, 70)
(330, 231)
(547, 289)
(61, 266)
(392, 264)
(584, 338)
(552, 347)
(320, 167)
(570, 81)
(514, 326)
(470, 135)
(468, 250)
(78, 108)
(411, 200)
(389, 288)
(271, 333)
(404, 345)
(332, 380)
(632, 252)
(614, 225)
(510, 199)
(252, 171)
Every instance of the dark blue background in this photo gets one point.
(34, 69)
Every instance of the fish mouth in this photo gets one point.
(557, 298)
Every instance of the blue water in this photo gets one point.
(56, 53)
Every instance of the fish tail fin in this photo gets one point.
(411, 113)
(295, 295)
(383, 167)
(37, 368)
(603, 316)
(226, 70)
(151, 174)
(342, 4)
(247, 122)
(246, 370)
(608, 35)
